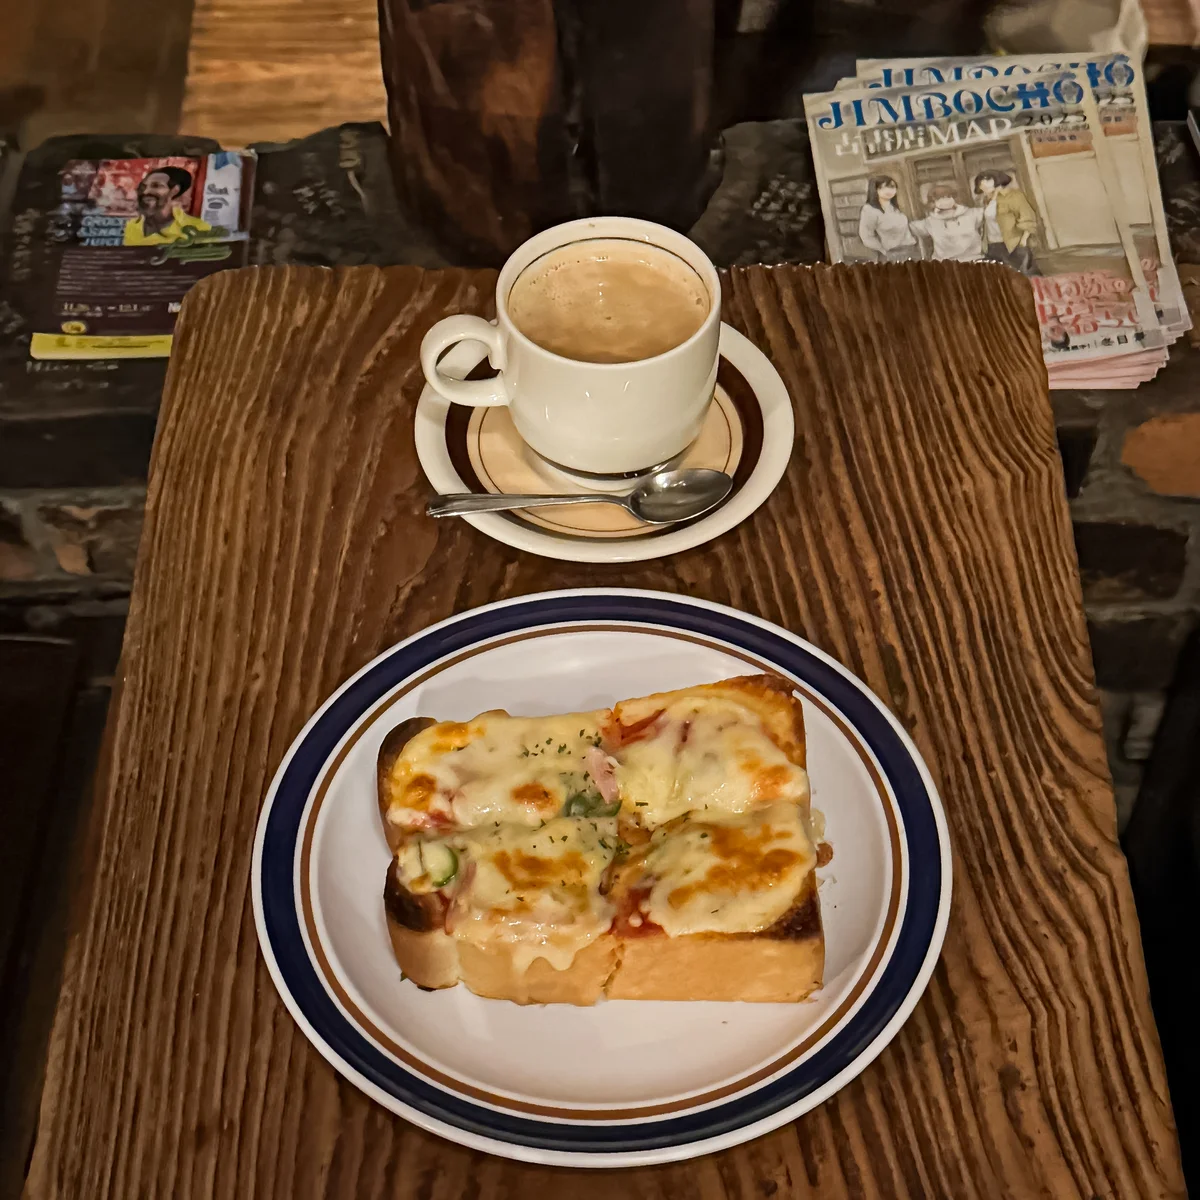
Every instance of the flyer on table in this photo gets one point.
(131, 236)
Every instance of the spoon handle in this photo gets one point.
(461, 503)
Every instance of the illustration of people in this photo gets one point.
(160, 219)
(1009, 221)
(882, 227)
(955, 230)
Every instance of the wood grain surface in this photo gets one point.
(1170, 22)
(920, 535)
(272, 70)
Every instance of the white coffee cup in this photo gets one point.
(592, 418)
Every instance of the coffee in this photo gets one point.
(608, 300)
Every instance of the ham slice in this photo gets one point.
(600, 768)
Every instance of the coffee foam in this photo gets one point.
(608, 300)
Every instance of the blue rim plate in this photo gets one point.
(743, 1069)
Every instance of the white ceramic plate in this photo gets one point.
(623, 1082)
(767, 458)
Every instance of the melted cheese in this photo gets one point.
(495, 768)
(537, 890)
(734, 874)
(705, 754)
(698, 773)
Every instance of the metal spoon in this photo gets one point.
(660, 499)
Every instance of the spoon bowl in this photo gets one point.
(667, 497)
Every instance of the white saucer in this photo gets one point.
(750, 434)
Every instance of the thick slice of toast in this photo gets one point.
(512, 911)
(433, 958)
(780, 964)
(718, 747)
(495, 767)
(769, 697)
(722, 753)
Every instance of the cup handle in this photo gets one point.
(479, 393)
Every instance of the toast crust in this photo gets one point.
(389, 751)
(706, 966)
(429, 959)
(493, 971)
(434, 959)
(781, 964)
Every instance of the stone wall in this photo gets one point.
(75, 438)
(1137, 533)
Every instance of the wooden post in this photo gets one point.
(645, 69)
(511, 115)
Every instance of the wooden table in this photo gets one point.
(920, 535)
(272, 70)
